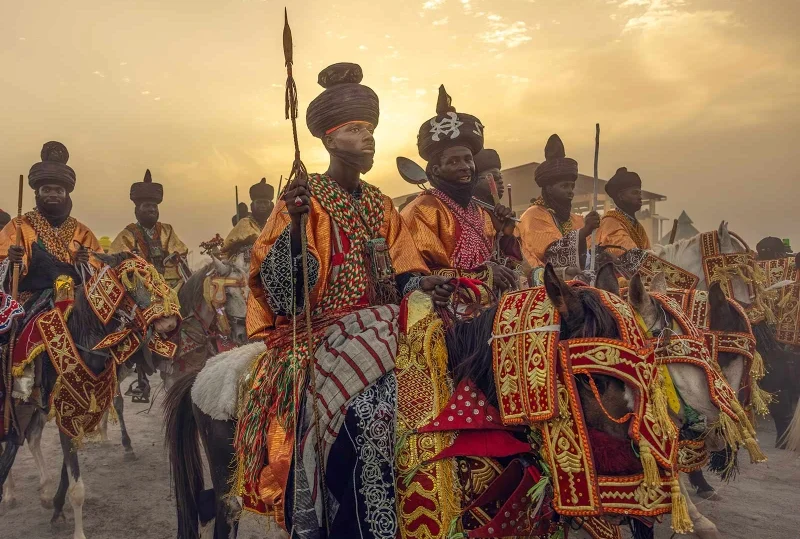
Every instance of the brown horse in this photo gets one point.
(583, 314)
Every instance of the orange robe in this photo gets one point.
(63, 248)
(434, 228)
(261, 317)
(544, 242)
(617, 229)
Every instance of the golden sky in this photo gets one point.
(698, 96)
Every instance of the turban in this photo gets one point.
(262, 190)
(621, 180)
(344, 100)
(486, 159)
(53, 168)
(556, 167)
(447, 129)
(146, 190)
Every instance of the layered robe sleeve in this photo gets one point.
(433, 228)
(82, 237)
(123, 242)
(273, 268)
(613, 231)
(170, 243)
(246, 232)
(543, 242)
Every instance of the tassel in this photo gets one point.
(452, 530)
(760, 399)
(113, 418)
(651, 475)
(681, 523)
(660, 408)
(729, 430)
(756, 455)
(757, 369)
(744, 423)
(93, 407)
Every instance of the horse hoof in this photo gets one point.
(130, 455)
(58, 521)
(711, 495)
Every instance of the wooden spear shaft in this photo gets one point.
(593, 262)
(9, 366)
(18, 241)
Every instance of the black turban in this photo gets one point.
(146, 190)
(486, 159)
(53, 168)
(556, 167)
(344, 100)
(262, 190)
(621, 180)
(447, 129)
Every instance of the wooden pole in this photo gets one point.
(674, 231)
(9, 364)
(236, 187)
(593, 262)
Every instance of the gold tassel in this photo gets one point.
(744, 423)
(757, 369)
(93, 407)
(756, 455)
(760, 399)
(112, 415)
(659, 408)
(729, 430)
(651, 476)
(681, 523)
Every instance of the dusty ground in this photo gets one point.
(131, 499)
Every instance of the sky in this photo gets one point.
(700, 97)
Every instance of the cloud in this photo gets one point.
(395, 80)
(123, 63)
(146, 92)
(494, 17)
(510, 34)
(441, 22)
(126, 80)
(420, 92)
(515, 79)
(466, 5)
(661, 13)
(362, 47)
(433, 4)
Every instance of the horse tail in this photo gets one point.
(792, 435)
(186, 466)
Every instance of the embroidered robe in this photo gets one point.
(242, 237)
(62, 242)
(543, 240)
(619, 230)
(450, 244)
(166, 241)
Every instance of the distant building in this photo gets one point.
(524, 191)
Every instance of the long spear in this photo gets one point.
(9, 380)
(593, 263)
(236, 213)
(299, 171)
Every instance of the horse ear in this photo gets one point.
(560, 293)
(720, 316)
(637, 294)
(222, 268)
(607, 279)
(659, 283)
(725, 241)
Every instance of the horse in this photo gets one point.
(202, 408)
(145, 309)
(693, 391)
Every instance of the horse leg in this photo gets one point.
(6, 462)
(703, 528)
(76, 490)
(704, 490)
(8, 491)
(60, 496)
(104, 428)
(217, 439)
(119, 407)
(34, 437)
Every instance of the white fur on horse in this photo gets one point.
(216, 389)
(792, 436)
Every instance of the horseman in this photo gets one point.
(49, 228)
(361, 257)
(454, 235)
(154, 241)
(619, 228)
(549, 231)
(247, 230)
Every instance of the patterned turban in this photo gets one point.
(556, 166)
(486, 159)
(146, 190)
(53, 168)
(344, 100)
(621, 180)
(447, 129)
(262, 190)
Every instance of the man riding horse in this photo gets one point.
(247, 230)
(360, 255)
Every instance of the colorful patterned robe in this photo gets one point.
(543, 240)
(62, 242)
(132, 238)
(439, 235)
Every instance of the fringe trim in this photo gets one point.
(649, 464)
(681, 523)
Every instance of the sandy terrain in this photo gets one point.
(131, 499)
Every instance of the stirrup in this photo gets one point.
(140, 394)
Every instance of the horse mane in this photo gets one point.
(674, 251)
(470, 354)
(190, 295)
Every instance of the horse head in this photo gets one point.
(235, 272)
